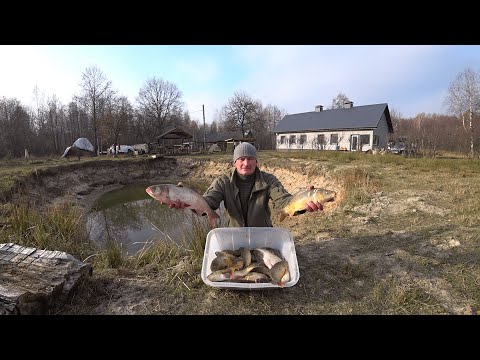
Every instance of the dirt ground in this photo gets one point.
(353, 259)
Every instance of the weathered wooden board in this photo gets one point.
(34, 280)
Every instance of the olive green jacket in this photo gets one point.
(267, 187)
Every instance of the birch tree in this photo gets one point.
(463, 100)
(339, 101)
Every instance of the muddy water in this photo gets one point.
(132, 218)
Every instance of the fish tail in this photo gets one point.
(283, 215)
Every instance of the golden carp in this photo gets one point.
(170, 193)
(221, 262)
(299, 200)
(280, 273)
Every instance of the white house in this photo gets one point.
(358, 128)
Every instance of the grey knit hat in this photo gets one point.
(244, 149)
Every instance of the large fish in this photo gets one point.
(298, 201)
(170, 193)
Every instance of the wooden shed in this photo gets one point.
(172, 141)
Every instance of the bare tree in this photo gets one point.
(119, 115)
(396, 117)
(273, 115)
(158, 101)
(339, 101)
(213, 127)
(14, 128)
(463, 100)
(95, 87)
(240, 112)
(54, 124)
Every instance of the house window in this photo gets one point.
(282, 139)
(321, 139)
(293, 139)
(334, 139)
(364, 140)
(303, 139)
(375, 139)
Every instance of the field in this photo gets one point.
(401, 238)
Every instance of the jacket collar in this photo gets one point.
(260, 183)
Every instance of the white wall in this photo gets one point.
(311, 142)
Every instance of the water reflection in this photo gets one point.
(132, 218)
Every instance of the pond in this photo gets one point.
(132, 218)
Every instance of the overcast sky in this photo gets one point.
(410, 79)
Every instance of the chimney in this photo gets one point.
(348, 104)
(318, 108)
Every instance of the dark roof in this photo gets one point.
(174, 133)
(356, 117)
(217, 137)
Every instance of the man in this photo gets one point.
(246, 191)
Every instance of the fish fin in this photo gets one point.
(283, 215)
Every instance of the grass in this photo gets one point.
(58, 227)
(403, 240)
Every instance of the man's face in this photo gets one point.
(245, 165)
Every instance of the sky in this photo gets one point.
(411, 79)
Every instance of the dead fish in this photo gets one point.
(262, 269)
(252, 277)
(220, 275)
(275, 251)
(243, 272)
(221, 262)
(280, 273)
(170, 193)
(257, 277)
(246, 256)
(266, 256)
(299, 200)
(237, 264)
(235, 253)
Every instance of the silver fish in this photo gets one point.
(266, 256)
(170, 193)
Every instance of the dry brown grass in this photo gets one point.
(402, 239)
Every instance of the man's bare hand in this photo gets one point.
(313, 206)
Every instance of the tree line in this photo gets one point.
(106, 117)
(458, 132)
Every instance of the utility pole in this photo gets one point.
(204, 131)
